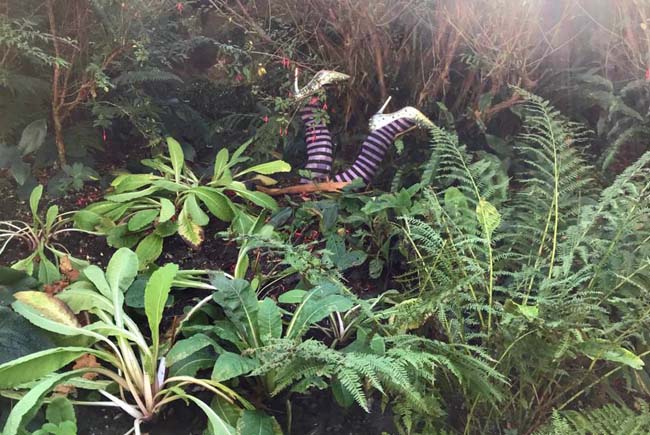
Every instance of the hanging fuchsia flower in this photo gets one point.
(325, 106)
(286, 63)
(647, 75)
(313, 100)
(239, 78)
(265, 119)
(104, 135)
(179, 7)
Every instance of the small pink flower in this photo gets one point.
(179, 7)
(104, 135)
(239, 78)
(265, 119)
(647, 75)
(313, 100)
(286, 63)
(324, 106)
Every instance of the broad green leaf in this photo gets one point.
(215, 201)
(129, 182)
(292, 296)
(120, 273)
(176, 156)
(217, 425)
(33, 136)
(170, 186)
(128, 196)
(49, 307)
(488, 217)
(268, 168)
(81, 299)
(47, 271)
(256, 422)
(239, 302)
(149, 249)
(316, 305)
(608, 351)
(231, 365)
(34, 200)
(190, 365)
(142, 218)
(257, 198)
(37, 318)
(220, 163)
(60, 410)
(36, 365)
(236, 155)
(269, 320)
(188, 230)
(95, 275)
(197, 215)
(186, 347)
(51, 215)
(155, 297)
(121, 270)
(167, 210)
(229, 412)
(32, 400)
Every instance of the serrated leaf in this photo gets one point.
(269, 320)
(488, 217)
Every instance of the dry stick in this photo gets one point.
(328, 186)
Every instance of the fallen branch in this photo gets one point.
(328, 186)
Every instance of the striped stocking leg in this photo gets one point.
(373, 150)
(319, 143)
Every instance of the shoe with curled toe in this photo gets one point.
(320, 80)
(410, 113)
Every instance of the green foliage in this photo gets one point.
(61, 418)
(608, 420)
(146, 208)
(42, 239)
(544, 277)
(622, 122)
(128, 361)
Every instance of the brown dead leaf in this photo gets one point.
(55, 287)
(86, 361)
(65, 265)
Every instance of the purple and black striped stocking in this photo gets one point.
(373, 151)
(319, 143)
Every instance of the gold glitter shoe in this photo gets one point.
(322, 78)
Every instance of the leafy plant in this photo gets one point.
(72, 179)
(547, 277)
(146, 208)
(41, 238)
(608, 420)
(275, 346)
(61, 418)
(129, 363)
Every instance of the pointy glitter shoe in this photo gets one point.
(381, 119)
(322, 78)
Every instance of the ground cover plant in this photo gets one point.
(155, 274)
